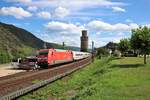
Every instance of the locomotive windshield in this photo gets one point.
(43, 53)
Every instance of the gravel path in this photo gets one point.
(8, 69)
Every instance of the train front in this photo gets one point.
(43, 58)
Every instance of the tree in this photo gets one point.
(112, 46)
(102, 51)
(124, 45)
(140, 40)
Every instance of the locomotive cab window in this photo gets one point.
(43, 53)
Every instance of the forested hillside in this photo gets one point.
(17, 42)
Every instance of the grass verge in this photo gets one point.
(106, 79)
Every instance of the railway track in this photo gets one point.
(18, 85)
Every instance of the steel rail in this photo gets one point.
(30, 88)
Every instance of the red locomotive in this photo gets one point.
(48, 57)
(53, 56)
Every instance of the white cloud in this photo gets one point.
(133, 25)
(148, 25)
(117, 31)
(44, 15)
(64, 28)
(65, 32)
(32, 8)
(74, 4)
(128, 21)
(70, 33)
(100, 26)
(61, 12)
(102, 41)
(63, 8)
(120, 34)
(18, 13)
(115, 39)
(118, 9)
(20, 1)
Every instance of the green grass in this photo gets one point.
(106, 79)
(36, 81)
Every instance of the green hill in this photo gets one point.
(17, 42)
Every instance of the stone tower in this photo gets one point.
(84, 41)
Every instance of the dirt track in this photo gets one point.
(8, 69)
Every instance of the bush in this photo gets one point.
(117, 53)
(102, 52)
(4, 57)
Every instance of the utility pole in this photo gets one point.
(63, 44)
(45, 46)
(92, 51)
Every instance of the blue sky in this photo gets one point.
(62, 20)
